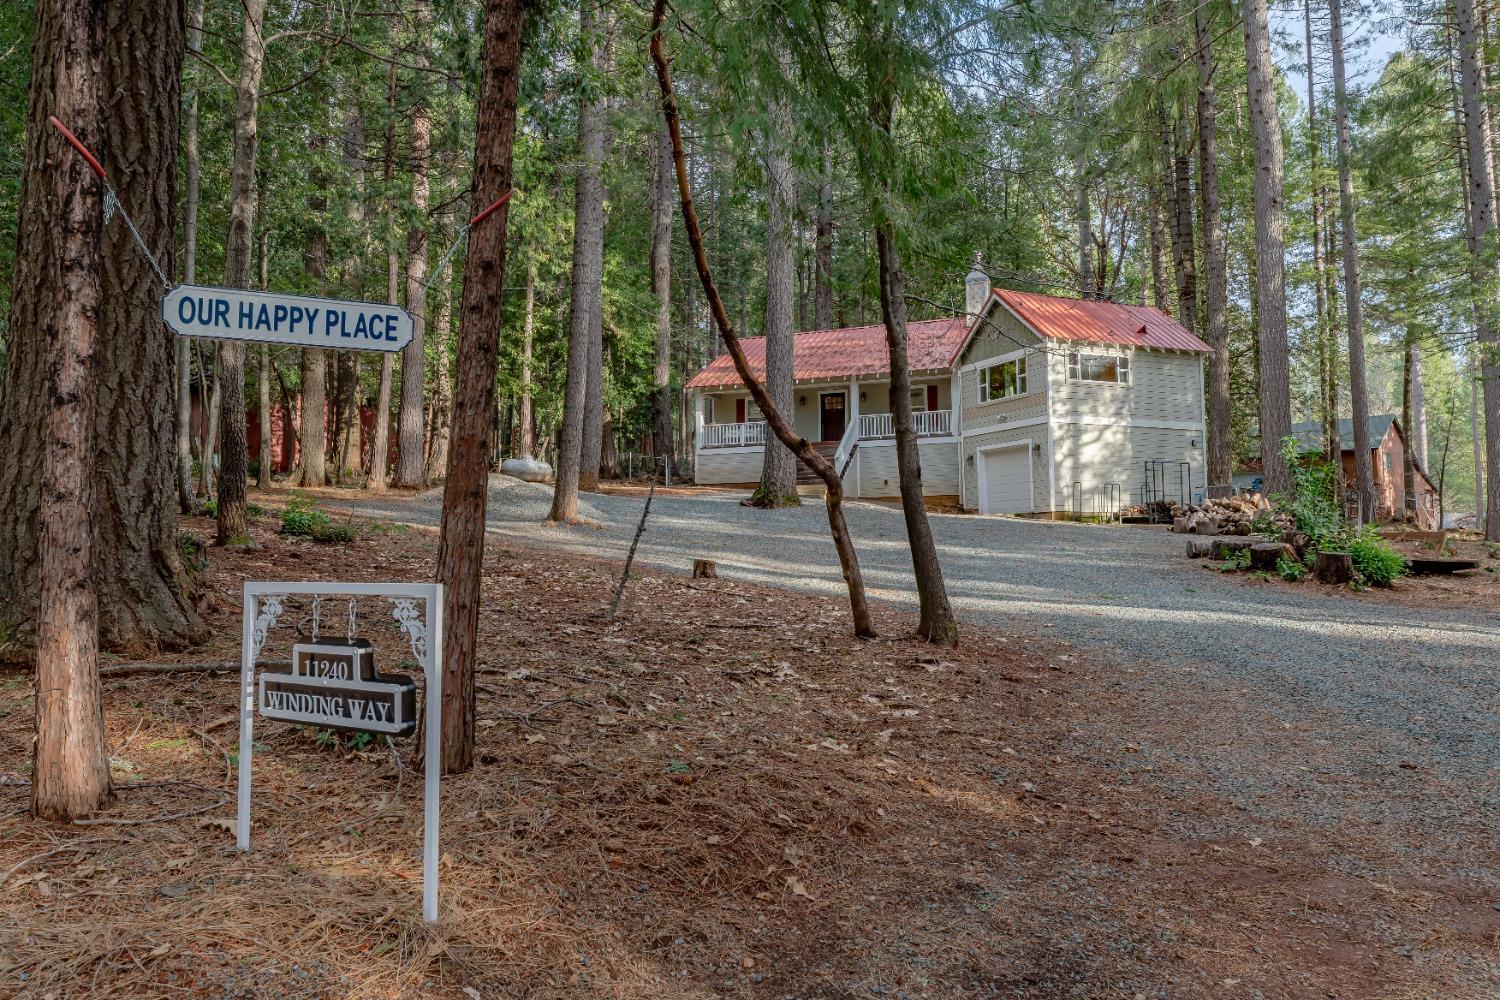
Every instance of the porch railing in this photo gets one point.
(926, 423)
(746, 435)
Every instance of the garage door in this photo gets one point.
(1005, 480)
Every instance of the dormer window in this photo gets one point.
(1086, 366)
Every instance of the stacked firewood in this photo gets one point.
(1233, 515)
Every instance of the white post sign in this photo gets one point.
(335, 684)
(273, 318)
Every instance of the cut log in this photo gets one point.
(1197, 548)
(1228, 548)
(705, 569)
(1333, 567)
(1204, 526)
(1180, 524)
(1265, 555)
(1435, 567)
(1298, 540)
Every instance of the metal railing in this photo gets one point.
(926, 423)
(845, 450)
(746, 435)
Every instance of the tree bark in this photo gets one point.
(528, 328)
(207, 469)
(1482, 224)
(661, 287)
(187, 502)
(263, 378)
(1408, 454)
(313, 437)
(576, 467)
(461, 542)
(237, 249)
(50, 398)
(1183, 263)
(823, 241)
(1326, 362)
(1270, 251)
(834, 495)
(778, 474)
(1359, 406)
(410, 432)
(1418, 427)
(1215, 269)
(442, 384)
(1081, 210)
(1161, 297)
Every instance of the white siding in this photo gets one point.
(878, 476)
(1001, 335)
(1093, 455)
(1164, 386)
(728, 465)
(1036, 433)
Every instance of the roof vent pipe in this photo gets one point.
(976, 291)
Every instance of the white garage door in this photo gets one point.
(1005, 480)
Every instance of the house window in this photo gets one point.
(1086, 367)
(1000, 381)
(918, 400)
(708, 409)
(752, 412)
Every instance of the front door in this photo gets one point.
(831, 416)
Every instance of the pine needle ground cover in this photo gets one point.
(721, 794)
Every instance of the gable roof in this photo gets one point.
(1095, 321)
(1309, 434)
(931, 345)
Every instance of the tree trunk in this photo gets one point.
(661, 287)
(185, 499)
(1183, 263)
(380, 451)
(411, 434)
(50, 402)
(1215, 270)
(591, 458)
(778, 474)
(936, 623)
(1270, 251)
(1161, 298)
(1359, 406)
(442, 384)
(1418, 427)
(528, 328)
(207, 478)
(1481, 186)
(263, 458)
(235, 461)
(573, 464)
(461, 543)
(313, 436)
(1407, 507)
(823, 240)
(834, 496)
(1081, 211)
(1327, 398)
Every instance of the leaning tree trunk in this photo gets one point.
(1359, 405)
(1215, 272)
(778, 474)
(48, 410)
(1482, 224)
(661, 287)
(585, 304)
(834, 496)
(185, 499)
(410, 433)
(235, 461)
(461, 543)
(1270, 251)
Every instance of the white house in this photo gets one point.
(1028, 404)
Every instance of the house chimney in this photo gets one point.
(976, 290)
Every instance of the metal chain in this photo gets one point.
(112, 204)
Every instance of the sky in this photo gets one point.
(1369, 40)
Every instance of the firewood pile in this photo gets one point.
(1231, 516)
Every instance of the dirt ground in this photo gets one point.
(722, 794)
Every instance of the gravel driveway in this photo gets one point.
(1303, 685)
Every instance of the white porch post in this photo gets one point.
(697, 425)
(853, 408)
(956, 403)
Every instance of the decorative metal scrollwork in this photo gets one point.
(404, 610)
(268, 609)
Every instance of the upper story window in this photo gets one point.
(1008, 378)
(1084, 366)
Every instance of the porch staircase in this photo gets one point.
(808, 483)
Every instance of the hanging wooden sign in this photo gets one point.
(335, 684)
(273, 318)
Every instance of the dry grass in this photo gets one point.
(722, 794)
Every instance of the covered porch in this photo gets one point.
(826, 412)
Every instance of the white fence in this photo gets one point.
(746, 435)
(926, 423)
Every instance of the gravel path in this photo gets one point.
(1337, 708)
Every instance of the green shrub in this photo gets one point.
(1290, 569)
(210, 508)
(302, 517)
(1314, 506)
(1374, 559)
(334, 533)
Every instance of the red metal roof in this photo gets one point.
(931, 345)
(1098, 322)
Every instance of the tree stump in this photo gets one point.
(1197, 548)
(1298, 540)
(1265, 555)
(1227, 548)
(704, 569)
(1333, 567)
(1180, 525)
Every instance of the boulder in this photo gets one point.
(529, 469)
